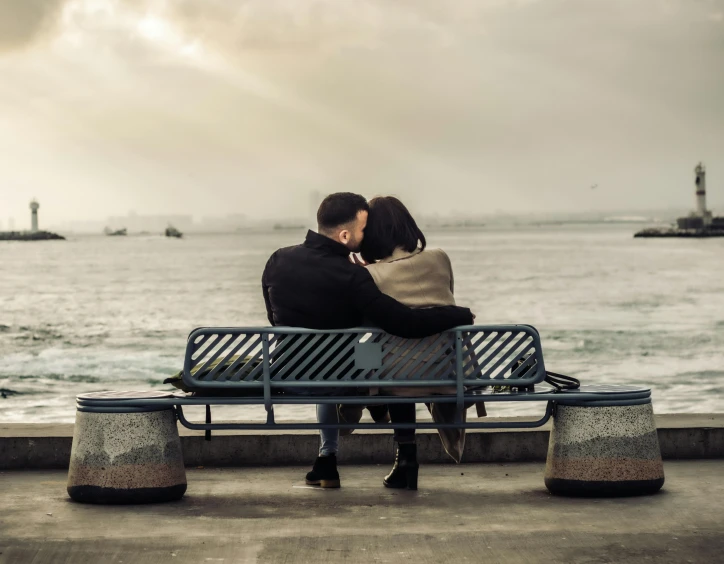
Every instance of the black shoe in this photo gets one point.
(324, 472)
(404, 472)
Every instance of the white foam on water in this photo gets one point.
(97, 313)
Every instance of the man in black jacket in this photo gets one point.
(315, 285)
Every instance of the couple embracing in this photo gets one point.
(401, 286)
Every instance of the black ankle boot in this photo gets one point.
(404, 472)
(324, 472)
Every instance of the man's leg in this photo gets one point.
(328, 438)
(324, 472)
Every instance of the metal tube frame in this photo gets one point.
(312, 426)
(177, 403)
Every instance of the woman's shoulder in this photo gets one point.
(433, 256)
(436, 255)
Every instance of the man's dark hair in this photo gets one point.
(339, 209)
(389, 225)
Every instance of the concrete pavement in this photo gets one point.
(465, 513)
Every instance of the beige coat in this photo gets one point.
(417, 279)
(423, 279)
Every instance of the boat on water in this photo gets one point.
(116, 233)
(171, 231)
(683, 233)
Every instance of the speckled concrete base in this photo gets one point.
(120, 496)
(126, 458)
(604, 451)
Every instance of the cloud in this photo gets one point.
(23, 22)
(197, 105)
(310, 25)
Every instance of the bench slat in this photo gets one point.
(233, 357)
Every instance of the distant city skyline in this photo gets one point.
(138, 223)
(217, 107)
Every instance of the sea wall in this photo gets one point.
(30, 236)
(30, 446)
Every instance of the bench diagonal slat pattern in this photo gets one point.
(343, 362)
(505, 354)
(239, 342)
(311, 353)
(489, 355)
(442, 346)
(249, 358)
(302, 355)
(487, 341)
(420, 359)
(214, 354)
(201, 344)
(324, 360)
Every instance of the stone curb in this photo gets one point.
(24, 446)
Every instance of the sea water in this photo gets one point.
(98, 313)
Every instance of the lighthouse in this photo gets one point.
(700, 185)
(34, 205)
(34, 234)
(699, 223)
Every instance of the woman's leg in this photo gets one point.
(404, 472)
(403, 413)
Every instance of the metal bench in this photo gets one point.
(607, 445)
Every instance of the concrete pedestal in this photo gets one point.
(126, 457)
(604, 451)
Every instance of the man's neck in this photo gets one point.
(316, 239)
(329, 235)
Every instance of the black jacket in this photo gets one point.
(314, 285)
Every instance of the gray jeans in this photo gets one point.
(328, 438)
(326, 414)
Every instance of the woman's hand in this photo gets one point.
(354, 259)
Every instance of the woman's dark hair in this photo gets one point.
(339, 209)
(389, 225)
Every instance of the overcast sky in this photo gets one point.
(223, 106)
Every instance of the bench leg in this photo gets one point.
(126, 458)
(604, 451)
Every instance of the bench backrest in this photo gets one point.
(219, 357)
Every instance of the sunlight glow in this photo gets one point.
(155, 29)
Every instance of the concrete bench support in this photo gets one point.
(604, 451)
(122, 457)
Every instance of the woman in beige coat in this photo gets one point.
(394, 249)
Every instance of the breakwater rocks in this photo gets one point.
(30, 236)
(692, 233)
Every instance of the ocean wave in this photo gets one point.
(609, 310)
(59, 377)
